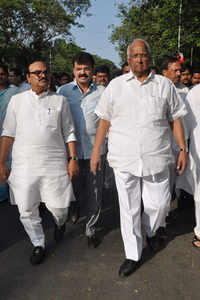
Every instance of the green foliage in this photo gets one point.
(157, 21)
(61, 53)
(31, 25)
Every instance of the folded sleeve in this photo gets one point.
(176, 105)
(9, 124)
(67, 123)
(104, 106)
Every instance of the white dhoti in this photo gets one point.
(155, 193)
(54, 191)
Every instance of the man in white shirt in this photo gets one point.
(136, 110)
(38, 123)
(192, 172)
(171, 68)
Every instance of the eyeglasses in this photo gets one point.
(39, 72)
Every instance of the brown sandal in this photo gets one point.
(196, 239)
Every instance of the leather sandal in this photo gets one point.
(196, 239)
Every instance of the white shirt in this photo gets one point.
(41, 125)
(190, 179)
(182, 91)
(139, 113)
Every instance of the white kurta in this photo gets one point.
(139, 150)
(41, 125)
(190, 179)
(139, 139)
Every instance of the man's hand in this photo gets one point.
(72, 168)
(95, 162)
(4, 173)
(181, 162)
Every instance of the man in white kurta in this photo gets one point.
(38, 123)
(136, 109)
(171, 68)
(192, 172)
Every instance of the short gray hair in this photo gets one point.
(141, 40)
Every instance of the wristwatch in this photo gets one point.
(182, 150)
(72, 157)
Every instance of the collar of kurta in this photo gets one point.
(44, 94)
(131, 76)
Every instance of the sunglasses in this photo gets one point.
(39, 72)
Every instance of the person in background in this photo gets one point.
(6, 92)
(64, 78)
(186, 75)
(16, 79)
(102, 75)
(154, 69)
(125, 68)
(171, 68)
(195, 75)
(192, 172)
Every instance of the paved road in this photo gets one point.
(72, 271)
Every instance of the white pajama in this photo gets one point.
(139, 145)
(155, 193)
(40, 126)
(28, 192)
(197, 217)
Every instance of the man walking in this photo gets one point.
(83, 95)
(38, 123)
(136, 109)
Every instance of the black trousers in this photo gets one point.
(88, 193)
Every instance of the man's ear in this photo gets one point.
(28, 77)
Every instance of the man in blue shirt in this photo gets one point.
(83, 95)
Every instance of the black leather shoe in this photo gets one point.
(74, 213)
(128, 267)
(162, 234)
(38, 255)
(93, 241)
(59, 233)
(154, 243)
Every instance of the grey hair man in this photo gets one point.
(137, 109)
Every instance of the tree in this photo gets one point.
(61, 54)
(29, 26)
(157, 21)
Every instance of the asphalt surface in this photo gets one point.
(72, 271)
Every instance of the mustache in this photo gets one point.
(83, 75)
(45, 79)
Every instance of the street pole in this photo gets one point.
(179, 25)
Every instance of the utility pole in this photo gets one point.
(179, 25)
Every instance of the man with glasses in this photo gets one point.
(38, 123)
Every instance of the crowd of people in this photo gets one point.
(63, 139)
